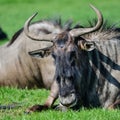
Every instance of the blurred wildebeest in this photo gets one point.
(3, 35)
(19, 69)
(87, 64)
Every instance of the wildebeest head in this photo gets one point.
(65, 49)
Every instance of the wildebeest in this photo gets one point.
(19, 69)
(87, 64)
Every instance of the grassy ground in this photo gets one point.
(31, 97)
(13, 14)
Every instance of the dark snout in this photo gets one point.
(67, 93)
(69, 100)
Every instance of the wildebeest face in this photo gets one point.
(65, 54)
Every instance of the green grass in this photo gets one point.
(13, 14)
(31, 97)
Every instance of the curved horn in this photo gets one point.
(47, 37)
(81, 31)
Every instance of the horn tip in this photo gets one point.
(35, 14)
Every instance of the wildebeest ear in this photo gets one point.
(86, 45)
(39, 53)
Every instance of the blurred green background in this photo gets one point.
(13, 13)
